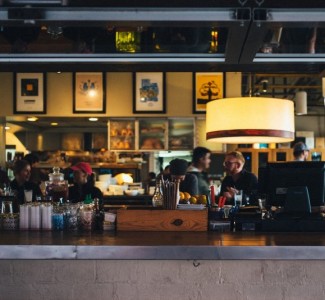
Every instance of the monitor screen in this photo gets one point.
(276, 178)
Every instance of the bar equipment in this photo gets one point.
(57, 187)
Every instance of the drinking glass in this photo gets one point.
(238, 198)
(28, 196)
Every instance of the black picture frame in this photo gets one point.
(89, 92)
(29, 91)
(149, 93)
(204, 81)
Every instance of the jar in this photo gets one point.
(71, 216)
(10, 221)
(58, 218)
(86, 216)
(57, 187)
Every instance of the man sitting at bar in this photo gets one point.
(188, 182)
(200, 163)
(238, 178)
(300, 151)
(84, 184)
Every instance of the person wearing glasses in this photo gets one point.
(237, 177)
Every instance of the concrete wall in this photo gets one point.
(141, 280)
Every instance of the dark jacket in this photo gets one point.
(28, 186)
(247, 182)
(79, 193)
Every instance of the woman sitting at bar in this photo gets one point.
(23, 188)
(84, 184)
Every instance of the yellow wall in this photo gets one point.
(119, 94)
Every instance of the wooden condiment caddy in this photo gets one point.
(162, 220)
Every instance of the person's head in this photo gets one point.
(234, 162)
(32, 159)
(300, 151)
(178, 168)
(22, 171)
(166, 170)
(82, 172)
(201, 158)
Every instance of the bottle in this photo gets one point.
(99, 216)
(157, 198)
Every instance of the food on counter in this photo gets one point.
(186, 198)
(152, 143)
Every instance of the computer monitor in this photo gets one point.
(276, 178)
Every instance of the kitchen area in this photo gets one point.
(116, 86)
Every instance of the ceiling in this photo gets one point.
(252, 36)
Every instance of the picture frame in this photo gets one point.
(207, 86)
(29, 93)
(149, 92)
(89, 92)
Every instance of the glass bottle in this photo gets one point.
(157, 198)
(99, 216)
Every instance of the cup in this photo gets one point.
(261, 203)
(226, 210)
(6, 207)
(238, 198)
(28, 196)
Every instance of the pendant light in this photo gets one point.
(301, 103)
(247, 120)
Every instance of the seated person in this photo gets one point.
(237, 178)
(188, 182)
(84, 184)
(300, 152)
(21, 183)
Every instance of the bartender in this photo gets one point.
(84, 184)
(237, 177)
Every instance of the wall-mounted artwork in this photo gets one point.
(89, 92)
(207, 87)
(29, 91)
(149, 92)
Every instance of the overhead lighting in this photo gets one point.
(92, 119)
(7, 127)
(301, 103)
(32, 119)
(54, 124)
(250, 120)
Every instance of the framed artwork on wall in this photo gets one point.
(206, 87)
(89, 92)
(29, 91)
(149, 92)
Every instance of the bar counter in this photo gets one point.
(161, 245)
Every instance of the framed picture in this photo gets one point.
(29, 91)
(206, 87)
(149, 92)
(89, 92)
